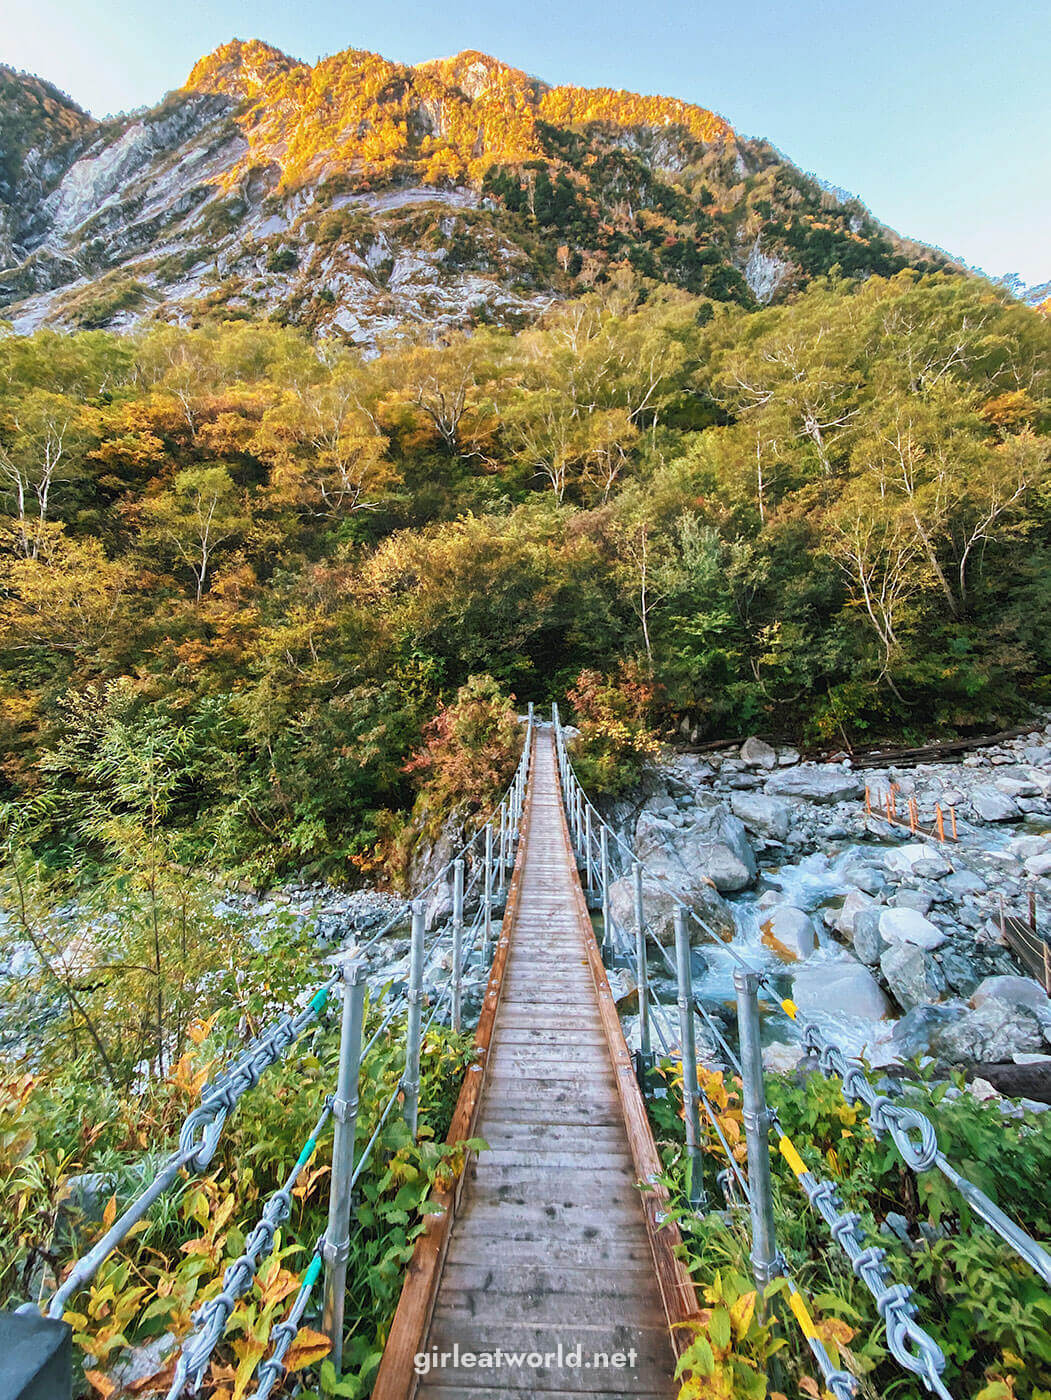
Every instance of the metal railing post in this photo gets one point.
(457, 943)
(589, 861)
(487, 894)
(411, 1082)
(756, 1115)
(645, 1062)
(691, 1095)
(505, 826)
(607, 933)
(336, 1247)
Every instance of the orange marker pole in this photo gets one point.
(868, 801)
(952, 818)
(913, 815)
(939, 821)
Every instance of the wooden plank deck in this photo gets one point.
(552, 1254)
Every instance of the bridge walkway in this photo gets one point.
(550, 1253)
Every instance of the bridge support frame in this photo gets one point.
(691, 1094)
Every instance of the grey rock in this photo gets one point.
(855, 902)
(792, 929)
(964, 882)
(1017, 787)
(913, 1033)
(868, 941)
(758, 754)
(1037, 755)
(912, 899)
(846, 985)
(908, 926)
(991, 805)
(990, 1034)
(787, 758)
(713, 848)
(659, 904)
(911, 973)
(813, 783)
(761, 814)
(959, 971)
(1039, 865)
(1015, 991)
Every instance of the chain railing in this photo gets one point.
(470, 946)
(912, 1132)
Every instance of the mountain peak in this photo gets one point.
(478, 74)
(242, 68)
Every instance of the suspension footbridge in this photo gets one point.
(550, 1264)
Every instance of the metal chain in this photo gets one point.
(908, 1343)
(272, 1370)
(210, 1320)
(916, 1140)
(198, 1138)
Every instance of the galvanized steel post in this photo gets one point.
(642, 976)
(691, 1097)
(505, 826)
(411, 1082)
(457, 943)
(589, 861)
(607, 933)
(487, 894)
(336, 1247)
(765, 1261)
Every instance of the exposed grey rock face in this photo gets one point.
(1015, 991)
(909, 926)
(992, 1032)
(868, 941)
(845, 985)
(765, 816)
(912, 1035)
(659, 904)
(816, 784)
(758, 754)
(792, 929)
(855, 902)
(712, 848)
(992, 805)
(911, 973)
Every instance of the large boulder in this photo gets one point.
(910, 926)
(917, 859)
(816, 783)
(869, 943)
(847, 915)
(789, 932)
(991, 1033)
(844, 986)
(1016, 991)
(911, 973)
(659, 903)
(713, 848)
(991, 805)
(757, 754)
(762, 815)
(913, 1033)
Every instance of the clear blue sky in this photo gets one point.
(938, 115)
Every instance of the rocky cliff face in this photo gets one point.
(359, 196)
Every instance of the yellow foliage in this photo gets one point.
(441, 122)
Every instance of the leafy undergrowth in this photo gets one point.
(986, 1308)
(55, 1126)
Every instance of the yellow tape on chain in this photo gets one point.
(806, 1323)
(787, 1149)
(790, 1008)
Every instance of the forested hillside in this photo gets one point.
(827, 520)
